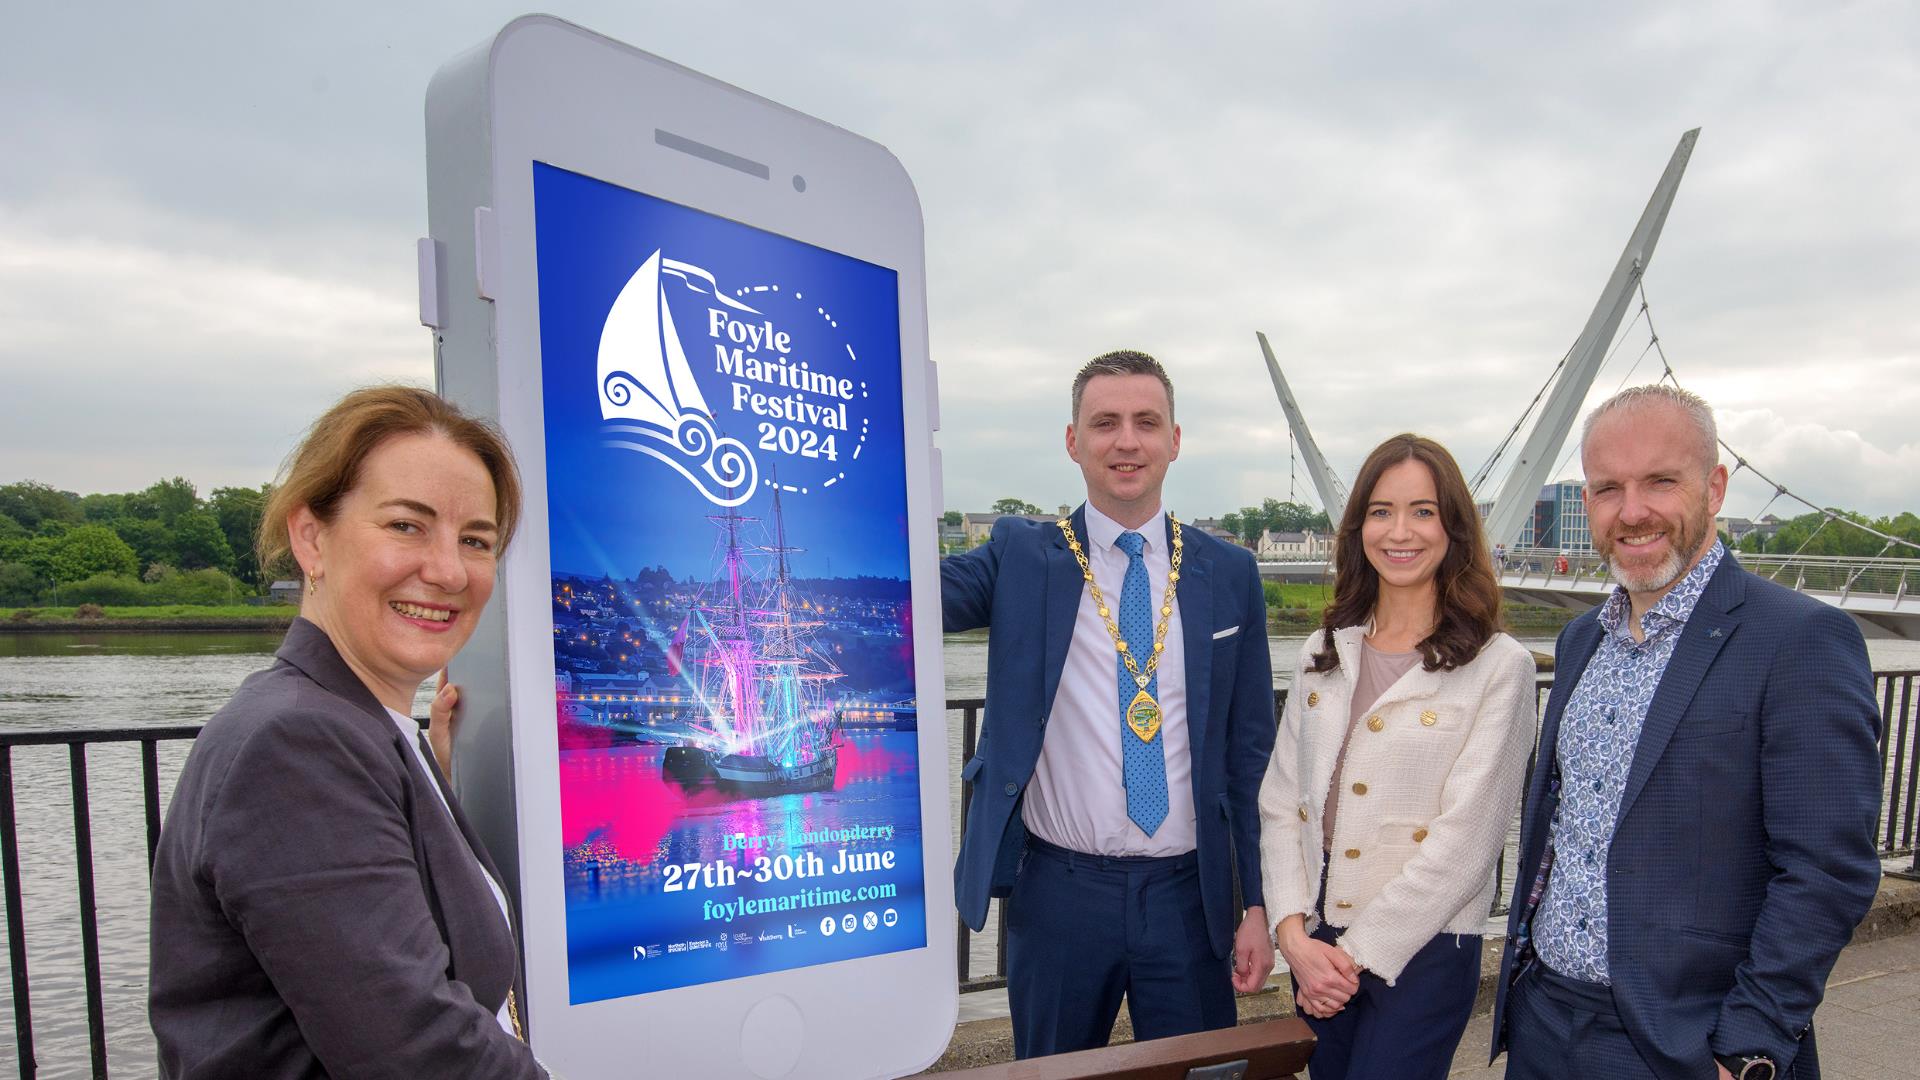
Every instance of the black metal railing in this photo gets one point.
(970, 710)
(1900, 820)
(1900, 787)
(76, 743)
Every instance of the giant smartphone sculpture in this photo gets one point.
(704, 732)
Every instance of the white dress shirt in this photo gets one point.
(1077, 799)
(410, 734)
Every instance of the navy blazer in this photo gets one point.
(1743, 856)
(1026, 585)
(315, 911)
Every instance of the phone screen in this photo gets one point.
(732, 638)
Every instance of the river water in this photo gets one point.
(117, 680)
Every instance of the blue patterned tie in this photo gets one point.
(1143, 764)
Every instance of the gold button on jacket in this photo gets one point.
(1353, 853)
(1419, 835)
(1359, 789)
(1429, 718)
(1374, 723)
(1303, 813)
(1313, 698)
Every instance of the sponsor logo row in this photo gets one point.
(850, 923)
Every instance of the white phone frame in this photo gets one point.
(546, 90)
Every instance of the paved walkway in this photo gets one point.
(1869, 1024)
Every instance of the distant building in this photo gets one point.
(1739, 528)
(285, 592)
(1558, 521)
(1291, 546)
(979, 526)
(1212, 527)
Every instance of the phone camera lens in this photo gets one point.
(799, 182)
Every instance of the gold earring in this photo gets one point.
(313, 583)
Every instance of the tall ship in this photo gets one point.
(766, 724)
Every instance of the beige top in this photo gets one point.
(1378, 672)
(1441, 753)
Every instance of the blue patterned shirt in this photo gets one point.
(1598, 734)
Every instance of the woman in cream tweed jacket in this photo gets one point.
(1379, 910)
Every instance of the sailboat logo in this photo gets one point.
(645, 382)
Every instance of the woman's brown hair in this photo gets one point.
(326, 465)
(1467, 594)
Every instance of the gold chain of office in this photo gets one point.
(1143, 713)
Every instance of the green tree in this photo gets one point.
(30, 502)
(150, 540)
(238, 510)
(19, 585)
(1294, 517)
(171, 498)
(951, 517)
(200, 543)
(11, 529)
(1015, 506)
(33, 552)
(90, 550)
(103, 509)
(1252, 520)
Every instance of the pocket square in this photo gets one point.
(1228, 632)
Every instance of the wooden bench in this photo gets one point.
(1270, 1050)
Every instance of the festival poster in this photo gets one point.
(732, 643)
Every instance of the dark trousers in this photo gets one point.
(1084, 930)
(1559, 1027)
(1407, 1031)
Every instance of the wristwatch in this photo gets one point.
(1747, 1066)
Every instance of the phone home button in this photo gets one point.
(771, 1037)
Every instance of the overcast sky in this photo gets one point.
(207, 216)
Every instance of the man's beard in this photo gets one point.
(1683, 542)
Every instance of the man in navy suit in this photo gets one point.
(1697, 844)
(1129, 718)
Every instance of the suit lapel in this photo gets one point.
(308, 648)
(1706, 630)
(1065, 583)
(1194, 593)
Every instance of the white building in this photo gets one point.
(1291, 546)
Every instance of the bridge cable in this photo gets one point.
(1779, 488)
(1480, 476)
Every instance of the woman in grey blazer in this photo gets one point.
(320, 905)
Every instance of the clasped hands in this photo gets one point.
(1327, 977)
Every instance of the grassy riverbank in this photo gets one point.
(165, 617)
(1296, 609)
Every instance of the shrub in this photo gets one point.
(24, 614)
(196, 587)
(89, 611)
(113, 590)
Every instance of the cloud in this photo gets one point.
(1418, 205)
(1829, 466)
(126, 361)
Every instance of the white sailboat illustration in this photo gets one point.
(645, 382)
